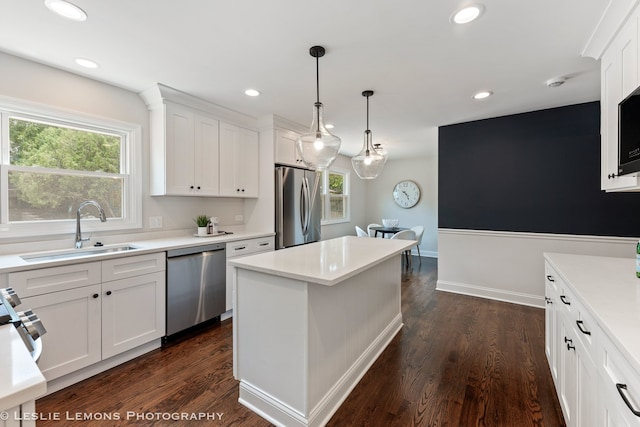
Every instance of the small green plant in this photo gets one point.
(201, 220)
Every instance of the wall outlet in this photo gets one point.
(155, 222)
(239, 218)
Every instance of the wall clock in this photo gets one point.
(406, 194)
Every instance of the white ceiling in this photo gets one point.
(423, 69)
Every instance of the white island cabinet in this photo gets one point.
(310, 321)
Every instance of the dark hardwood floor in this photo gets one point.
(458, 361)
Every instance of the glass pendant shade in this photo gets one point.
(318, 148)
(368, 163)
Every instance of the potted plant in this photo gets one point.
(202, 221)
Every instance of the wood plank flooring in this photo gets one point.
(458, 361)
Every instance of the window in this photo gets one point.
(52, 161)
(335, 196)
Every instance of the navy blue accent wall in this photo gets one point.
(531, 172)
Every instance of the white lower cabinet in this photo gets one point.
(242, 248)
(618, 389)
(73, 322)
(590, 374)
(133, 312)
(94, 322)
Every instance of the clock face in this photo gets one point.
(406, 194)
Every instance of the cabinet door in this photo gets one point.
(239, 157)
(179, 150)
(567, 373)
(206, 156)
(286, 152)
(249, 164)
(133, 312)
(550, 340)
(72, 320)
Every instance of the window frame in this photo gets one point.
(131, 158)
(326, 207)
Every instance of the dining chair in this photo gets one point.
(360, 232)
(406, 235)
(419, 230)
(372, 233)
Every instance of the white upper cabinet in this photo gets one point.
(190, 148)
(285, 146)
(239, 161)
(199, 148)
(619, 77)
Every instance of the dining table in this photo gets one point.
(387, 230)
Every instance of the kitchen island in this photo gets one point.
(310, 321)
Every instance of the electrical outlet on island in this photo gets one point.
(239, 218)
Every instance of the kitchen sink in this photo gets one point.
(76, 253)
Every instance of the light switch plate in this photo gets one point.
(155, 222)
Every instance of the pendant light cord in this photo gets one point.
(317, 80)
(367, 112)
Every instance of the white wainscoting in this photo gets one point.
(508, 266)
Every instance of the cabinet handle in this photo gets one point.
(237, 189)
(263, 244)
(239, 248)
(580, 324)
(562, 298)
(108, 292)
(612, 175)
(198, 187)
(191, 187)
(96, 295)
(243, 190)
(621, 387)
(550, 278)
(569, 343)
(548, 300)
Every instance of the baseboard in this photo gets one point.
(424, 254)
(491, 293)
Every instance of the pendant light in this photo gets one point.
(318, 148)
(368, 163)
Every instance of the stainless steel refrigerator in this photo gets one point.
(298, 206)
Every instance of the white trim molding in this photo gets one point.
(509, 266)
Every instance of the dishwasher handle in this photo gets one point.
(195, 250)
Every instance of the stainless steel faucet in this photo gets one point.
(103, 218)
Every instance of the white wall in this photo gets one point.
(380, 204)
(34, 82)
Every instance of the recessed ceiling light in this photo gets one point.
(66, 9)
(467, 14)
(252, 92)
(86, 63)
(482, 95)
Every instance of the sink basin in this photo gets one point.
(76, 253)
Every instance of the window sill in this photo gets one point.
(335, 221)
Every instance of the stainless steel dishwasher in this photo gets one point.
(196, 287)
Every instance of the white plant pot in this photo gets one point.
(202, 231)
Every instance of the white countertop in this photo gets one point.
(327, 262)
(609, 289)
(20, 378)
(10, 263)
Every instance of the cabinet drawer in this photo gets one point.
(121, 268)
(46, 280)
(249, 246)
(618, 379)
